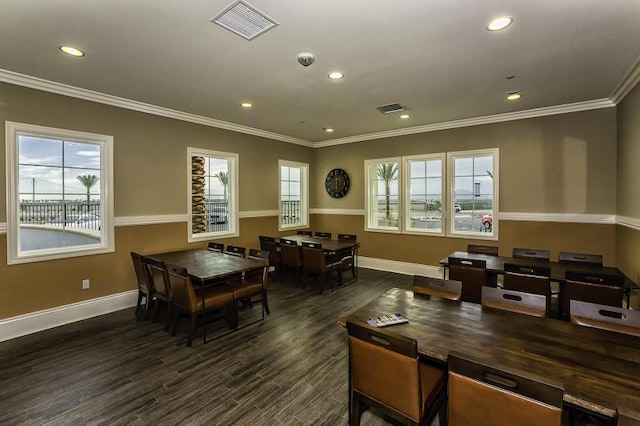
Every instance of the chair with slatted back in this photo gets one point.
(236, 251)
(533, 254)
(386, 372)
(323, 235)
(255, 282)
(479, 249)
(347, 257)
(473, 275)
(483, 394)
(437, 287)
(316, 263)
(628, 416)
(189, 301)
(291, 258)
(145, 286)
(270, 245)
(610, 318)
(602, 294)
(305, 233)
(580, 258)
(532, 279)
(219, 247)
(514, 301)
(159, 278)
(603, 278)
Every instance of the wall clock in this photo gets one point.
(337, 183)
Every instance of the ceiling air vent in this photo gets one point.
(387, 109)
(244, 20)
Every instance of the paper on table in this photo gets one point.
(385, 320)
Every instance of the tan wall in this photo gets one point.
(556, 164)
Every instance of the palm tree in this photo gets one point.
(223, 177)
(388, 172)
(88, 181)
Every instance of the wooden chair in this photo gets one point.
(603, 278)
(347, 257)
(605, 317)
(477, 249)
(189, 301)
(314, 262)
(581, 258)
(628, 416)
(473, 275)
(534, 254)
(528, 279)
(145, 286)
(490, 395)
(219, 247)
(236, 251)
(306, 233)
(270, 245)
(601, 294)
(291, 258)
(254, 283)
(323, 235)
(159, 279)
(445, 289)
(386, 372)
(514, 301)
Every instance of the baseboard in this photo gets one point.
(42, 320)
(400, 267)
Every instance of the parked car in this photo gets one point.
(218, 215)
(456, 208)
(487, 222)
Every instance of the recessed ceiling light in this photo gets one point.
(246, 105)
(514, 96)
(500, 23)
(405, 116)
(328, 129)
(336, 75)
(72, 51)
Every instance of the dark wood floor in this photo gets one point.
(290, 369)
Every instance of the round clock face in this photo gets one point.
(337, 183)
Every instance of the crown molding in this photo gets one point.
(559, 217)
(103, 98)
(629, 222)
(476, 121)
(627, 84)
(346, 212)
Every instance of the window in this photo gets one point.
(425, 185)
(213, 194)
(383, 199)
(59, 193)
(294, 195)
(457, 197)
(473, 186)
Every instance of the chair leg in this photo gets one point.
(192, 328)
(356, 411)
(176, 321)
(167, 324)
(140, 296)
(265, 304)
(147, 306)
(156, 311)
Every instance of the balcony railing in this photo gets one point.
(291, 212)
(76, 214)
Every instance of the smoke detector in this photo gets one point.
(306, 59)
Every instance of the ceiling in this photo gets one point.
(434, 57)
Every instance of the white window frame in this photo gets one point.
(451, 156)
(369, 225)
(106, 245)
(407, 194)
(233, 204)
(304, 195)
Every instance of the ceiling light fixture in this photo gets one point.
(71, 51)
(246, 105)
(514, 96)
(405, 116)
(336, 75)
(328, 129)
(500, 23)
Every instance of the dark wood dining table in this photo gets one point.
(208, 267)
(331, 246)
(600, 370)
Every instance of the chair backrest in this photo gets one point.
(323, 235)
(477, 249)
(219, 247)
(584, 258)
(628, 416)
(529, 279)
(236, 251)
(587, 292)
(347, 237)
(290, 253)
(302, 232)
(258, 275)
(525, 253)
(515, 301)
(596, 278)
(142, 272)
(445, 289)
(313, 257)
(183, 293)
(472, 273)
(605, 317)
(269, 244)
(500, 396)
(385, 368)
(158, 276)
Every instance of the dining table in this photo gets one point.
(208, 268)
(599, 369)
(331, 246)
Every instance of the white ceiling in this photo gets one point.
(434, 57)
